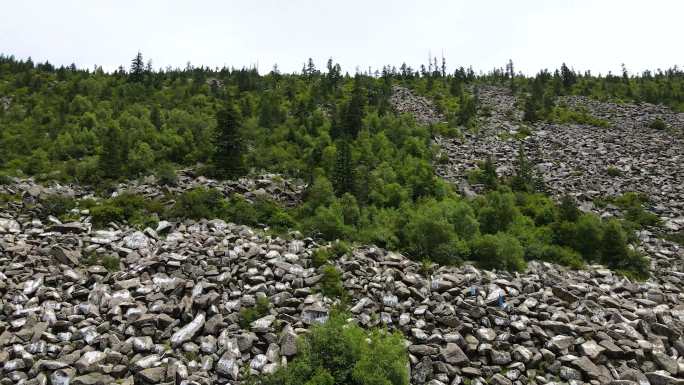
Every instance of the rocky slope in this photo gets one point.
(170, 314)
(575, 159)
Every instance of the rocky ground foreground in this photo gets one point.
(170, 315)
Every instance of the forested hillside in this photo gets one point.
(369, 170)
(203, 226)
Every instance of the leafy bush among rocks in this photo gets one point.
(338, 352)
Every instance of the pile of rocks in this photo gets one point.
(582, 160)
(273, 186)
(171, 313)
(423, 110)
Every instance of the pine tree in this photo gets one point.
(353, 112)
(343, 176)
(489, 177)
(137, 68)
(155, 117)
(523, 178)
(111, 159)
(228, 159)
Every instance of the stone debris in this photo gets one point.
(171, 314)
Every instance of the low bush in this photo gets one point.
(250, 314)
(499, 251)
(5, 179)
(613, 171)
(166, 175)
(199, 203)
(658, 124)
(331, 283)
(57, 205)
(103, 214)
(565, 115)
(338, 352)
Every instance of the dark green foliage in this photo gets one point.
(343, 176)
(5, 179)
(104, 214)
(523, 180)
(228, 160)
(331, 283)
(612, 171)
(166, 174)
(564, 115)
(261, 309)
(137, 68)
(568, 209)
(125, 207)
(57, 205)
(658, 124)
(321, 256)
(111, 263)
(485, 174)
(499, 251)
(98, 128)
(498, 212)
(633, 206)
(199, 203)
(341, 353)
(112, 157)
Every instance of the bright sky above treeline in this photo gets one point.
(535, 34)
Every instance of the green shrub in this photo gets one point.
(166, 175)
(106, 213)
(320, 256)
(199, 203)
(340, 248)
(331, 283)
(57, 205)
(581, 116)
(632, 204)
(340, 353)
(498, 212)
(584, 236)
(429, 234)
(271, 213)
(568, 210)
(613, 171)
(111, 262)
(562, 256)
(498, 251)
(5, 179)
(239, 210)
(658, 124)
(328, 222)
(253, 313)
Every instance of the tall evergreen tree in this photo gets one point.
(353, 111)
(112, 157)
(228, 159)
(523, 178)
(137, 68)
(343, 178)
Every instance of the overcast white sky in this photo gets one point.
(597, 35)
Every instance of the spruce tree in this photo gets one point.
(353, 111)
(489, 177)
(137, 68)
(343, 177)
(228, 159)
(111, 159)
(523, 178)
